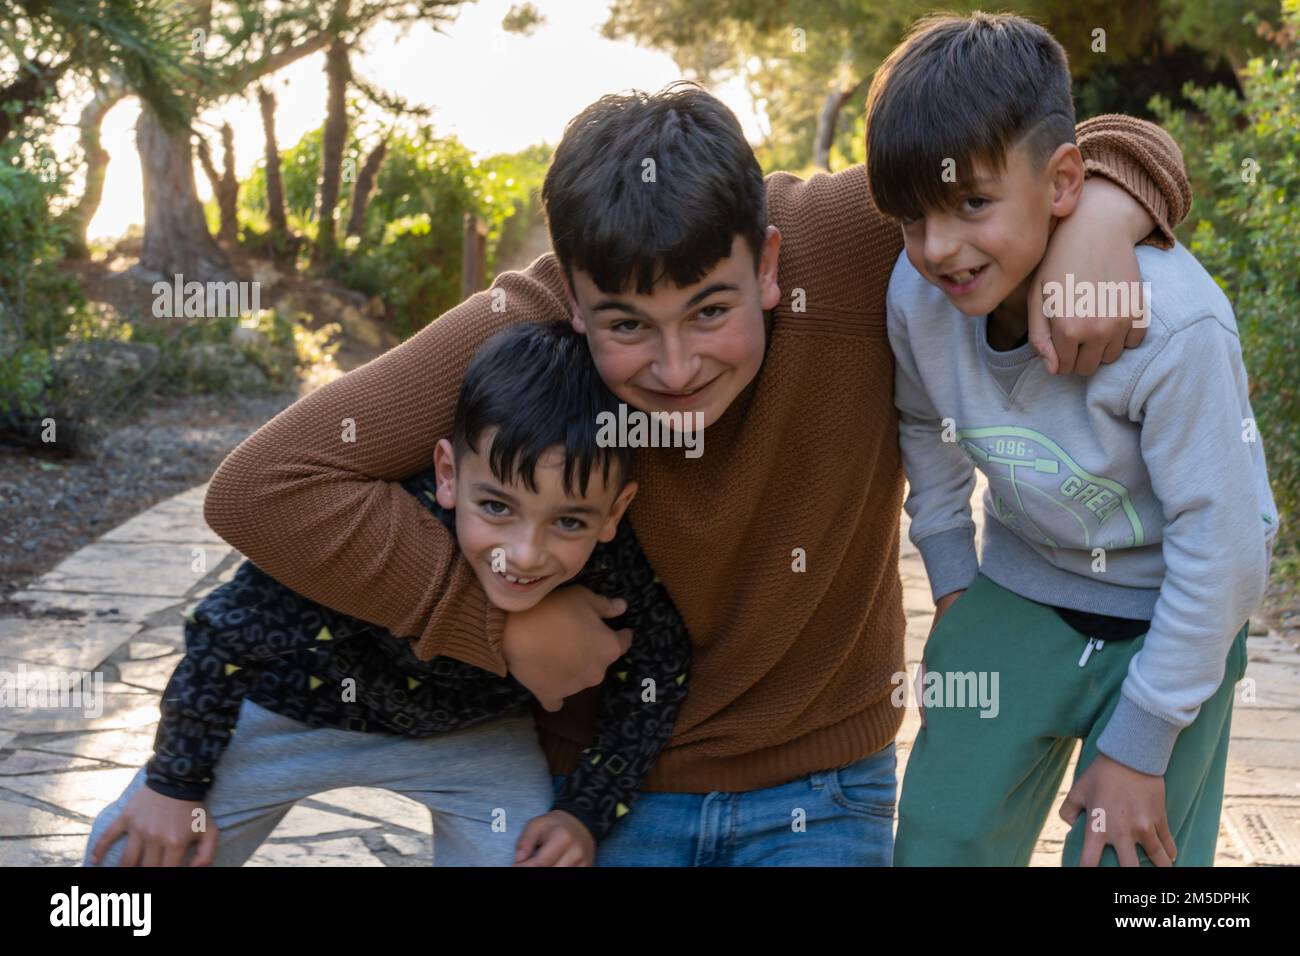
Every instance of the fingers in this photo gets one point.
(608, 607)
(1167, 839)
(624, 640)
(553, 846)
(1088, 358)
(172, 854)
(573, 856)
(132, 851)
(534, 833)
(1040, 330)
(1072, 807)
(115, 830)
(551, 704)
(207, 850)
(1153, 844)
(1041, 339)
(1093, 844)
(1114, 349)
(1136, 334)
(1127, 853)
(1066, 353)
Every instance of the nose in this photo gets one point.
(526, 552)
(942, 242)
(675, 368)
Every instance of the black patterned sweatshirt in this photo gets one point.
(252, 637)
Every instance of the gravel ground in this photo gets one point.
(51, 506)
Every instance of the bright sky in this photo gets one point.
(497, 92)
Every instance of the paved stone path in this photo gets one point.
(116, 607)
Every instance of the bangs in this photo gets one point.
(929, 161)
(516, 451)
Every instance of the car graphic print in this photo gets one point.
(1030, 476)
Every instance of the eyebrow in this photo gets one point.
(483, 488)
(620, 306)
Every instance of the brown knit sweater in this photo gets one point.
(791, 668)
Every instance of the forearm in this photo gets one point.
(940, 477)
(312, 497)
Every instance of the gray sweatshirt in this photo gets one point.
(1139, 492)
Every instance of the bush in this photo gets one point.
(39, 305)
(409, 251)
(1243, 158)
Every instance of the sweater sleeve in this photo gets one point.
(313, 497)
(940, 477)
(1192, 402)
(1145, 161)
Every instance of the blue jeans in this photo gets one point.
(842, 817)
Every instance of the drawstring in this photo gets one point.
(1093, 645)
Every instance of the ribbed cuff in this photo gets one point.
(1137, 739)
(1120, 170)
(473, 633)
(176, 789)
(950, 560)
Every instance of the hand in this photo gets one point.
(1095, 243)
(1134, 805)
(940, 609)
(555, 839)
(561, 645)
(158, 831)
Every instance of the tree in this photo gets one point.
(110, 44)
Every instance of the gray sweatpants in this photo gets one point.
(481, 784)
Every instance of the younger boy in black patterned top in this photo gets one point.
(321, 700)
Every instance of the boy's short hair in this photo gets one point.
(621, 219)
(962, 89)
(536, 384)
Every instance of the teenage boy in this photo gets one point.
(666, 241)
(321, 700)
(1129, 513)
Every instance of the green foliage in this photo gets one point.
(1243, 158)
(790, 54)
(409, 251)
(38, 304)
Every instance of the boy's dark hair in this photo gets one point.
(536, 384)
(965, 89)
(606, 219)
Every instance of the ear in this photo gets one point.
(444, 466)
(610, 527)
(575, 317)
(1066, 174)
(769, 293)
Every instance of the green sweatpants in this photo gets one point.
(977, 790)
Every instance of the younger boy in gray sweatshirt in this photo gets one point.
(1129, 517)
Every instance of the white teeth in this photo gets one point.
(514, 580)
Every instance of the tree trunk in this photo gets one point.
(176, 237)
(365, 185)
(826, 122)
(228, 193)
(79, 216)
(338, 71)
(274, 184)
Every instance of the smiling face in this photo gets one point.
(523, 544)
(984, 252)
(683, 349)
